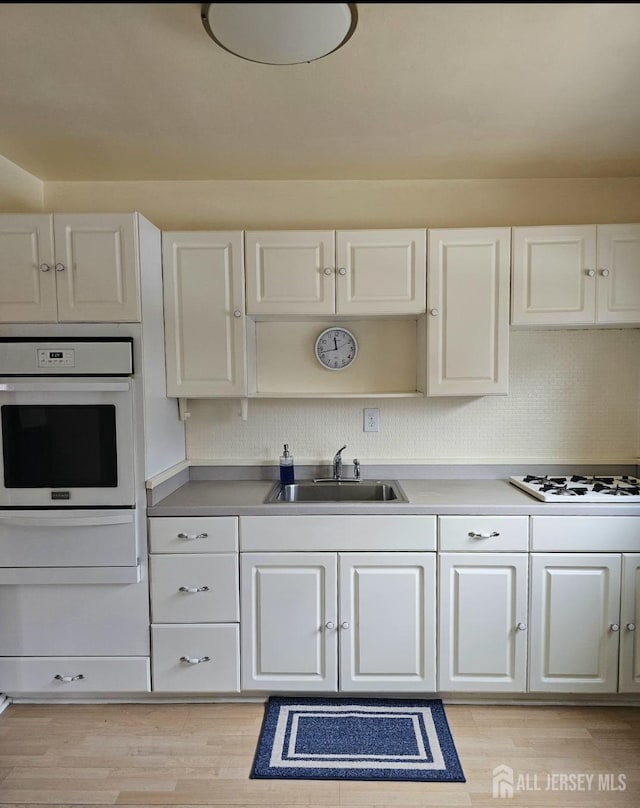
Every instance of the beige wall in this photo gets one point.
(20, 192)
(266, 204)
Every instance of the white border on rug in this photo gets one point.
(331, 761)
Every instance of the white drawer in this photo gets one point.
(319, 533)
(211, 584)
(584, 534)
(490, 534)
(78, 675)
(196, 659)
(193, 534)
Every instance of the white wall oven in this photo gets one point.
(67, 424)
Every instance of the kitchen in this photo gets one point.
(574, 394)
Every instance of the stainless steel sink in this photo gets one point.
(338, 491)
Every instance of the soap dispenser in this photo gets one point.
(286, 466)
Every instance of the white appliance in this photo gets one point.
(67, 425)
(580, 488)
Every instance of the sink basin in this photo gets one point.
(342, 491)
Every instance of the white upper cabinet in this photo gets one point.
(468, 312)
(345, 272)
(576, 275)
(204, 313)
(69, 268)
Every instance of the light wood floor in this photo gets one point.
(201, 754)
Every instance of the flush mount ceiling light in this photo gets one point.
(279, 33)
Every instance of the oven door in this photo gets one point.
(66, 443)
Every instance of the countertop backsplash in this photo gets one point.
(574, 397)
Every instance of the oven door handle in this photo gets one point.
(64, 387)
(66, 521)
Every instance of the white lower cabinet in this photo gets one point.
(482, 643)
(575, 615)
(195, 632)
(338, 621)
(629, 618)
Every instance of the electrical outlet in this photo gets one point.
(371, 420)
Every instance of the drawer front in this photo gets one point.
(490, 534)
(196, 659)
(67, 676)
(194, 588)
(584, 534)
(384, 532)
(193, 534)
(75, 539)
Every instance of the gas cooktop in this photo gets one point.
(578, 488)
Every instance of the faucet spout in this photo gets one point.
(337, 464)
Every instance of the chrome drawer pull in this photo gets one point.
(65, 679)
(191, 536)
(192, 590)
(474, 535)
(194, 660)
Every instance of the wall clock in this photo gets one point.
(336, 348)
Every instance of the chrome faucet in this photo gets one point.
(356, 469)
(337, 464)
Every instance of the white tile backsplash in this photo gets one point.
(574, 396)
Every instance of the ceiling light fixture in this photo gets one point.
(279, 33)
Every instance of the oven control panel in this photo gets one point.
(56, 358)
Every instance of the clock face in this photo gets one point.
(336, 348)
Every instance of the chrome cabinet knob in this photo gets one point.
(328, 270)
(60, 267)
(614, 627)
(44, 267)
(344, 625)
(521, 626)
(330, 625)
(631, 626)
(434, 312)
(590, 272)
(237, 313)
(605, 273)
(342, 271)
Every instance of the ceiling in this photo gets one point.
(138, 91)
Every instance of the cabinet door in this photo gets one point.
(290, 272)
(553, 275)
(97, 274)
(289, 623)
(468, 312)
(629, 631)
(381, 271)
(482, 643)
(387, 622)
(575, 616)
(27, 275)
(618, 287)
(204, 313)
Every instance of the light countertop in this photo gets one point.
(426, 496)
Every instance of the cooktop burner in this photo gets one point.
(575, 488)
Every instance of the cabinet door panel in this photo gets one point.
(99, 281)
(28, 292)
(203, 288)
(290, 272)
(468, 312)
(618, 277)
(629, 629)
(575, 599)
(482, 622)
(550, 280)
(287, 600)
(387, 622)
(381, 271)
